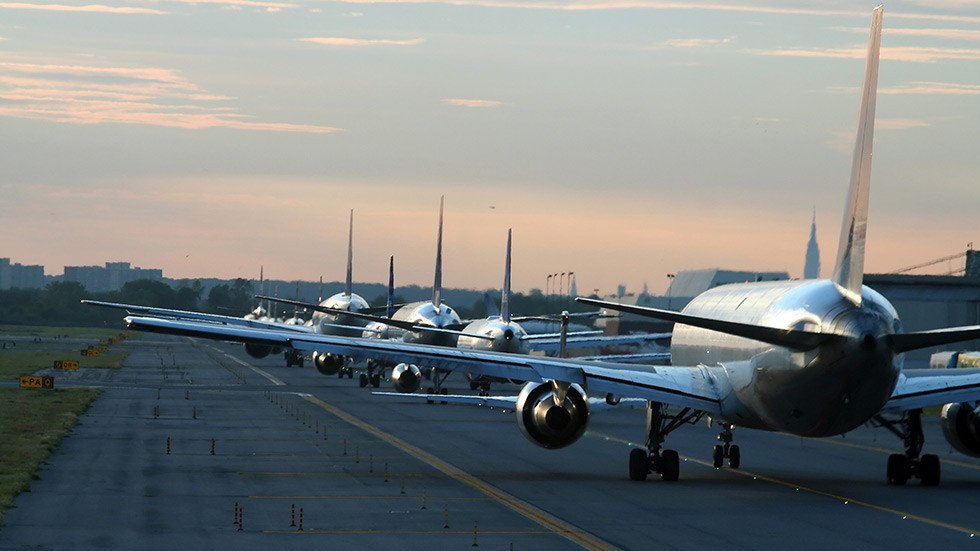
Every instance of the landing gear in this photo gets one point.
(438, 377)
(660, 423)
(293, 358)
(902, 467)
(363, 380)
(726, 450)
(435, 392)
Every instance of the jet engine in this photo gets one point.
(407, 377)
(259, 351)
(328, 364)
(547, 424)
(961, 426)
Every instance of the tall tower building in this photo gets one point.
(811, 270)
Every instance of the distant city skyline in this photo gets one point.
(622, 141)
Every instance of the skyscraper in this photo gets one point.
(811, 270)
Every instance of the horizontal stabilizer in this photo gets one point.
(904, 342)
(778, 336)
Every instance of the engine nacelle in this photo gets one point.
(258, 351)
(547, 424)
(328, 364)
(406, 377)
(961, 426)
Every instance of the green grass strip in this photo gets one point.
(32, 424)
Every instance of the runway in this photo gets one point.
(361, 468)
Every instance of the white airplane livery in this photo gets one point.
(807, 357)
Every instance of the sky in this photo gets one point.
(622, 140)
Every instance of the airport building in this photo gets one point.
(18, 276)
(923, 302)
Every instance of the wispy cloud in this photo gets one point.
(336, 41)
(908, 53)
(143, 95)
(598, 5)
(952, 34)
(269, 6)
(900, 124)
(696, 42)
(94, 8)
(472, 102)
(938, 88)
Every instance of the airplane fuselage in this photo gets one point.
(504, 336)
(339, 324)
(828, 390)
(425, 313)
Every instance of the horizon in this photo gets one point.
(621, 141)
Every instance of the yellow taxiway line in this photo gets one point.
(845, 500)
(529, 511)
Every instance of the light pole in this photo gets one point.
(670, 283)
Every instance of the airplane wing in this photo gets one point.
(199, 316)
(701, 388)
(551, 342)
(502, 402)
(919, 388)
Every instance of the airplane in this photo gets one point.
(330, 317)
(814, 358)
(499, 333)
(424, 322)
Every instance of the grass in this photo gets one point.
(96, 333)
(17, 363)
(32, 424)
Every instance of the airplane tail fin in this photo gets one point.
(505, 298)
(437, 284)
(350, 254)
(390, 311)
(849, 267)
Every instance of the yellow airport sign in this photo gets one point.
(65, 364)
(90, 352)
(37, 382)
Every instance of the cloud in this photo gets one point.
(899, 124)
(600, 5)
(696, 42)
(952, 34)
(144, 95)
(269, 6)
(908, 53)
(361, 42)
(89, 8)
(472, 102)
(938, 88)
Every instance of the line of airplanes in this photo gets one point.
(812, 357)
(424, 322)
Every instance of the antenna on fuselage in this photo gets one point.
(505, 295)
(437, 284)
(849, 267)
(350, 255)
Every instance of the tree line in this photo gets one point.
(59, 304)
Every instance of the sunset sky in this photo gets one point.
(622, 140)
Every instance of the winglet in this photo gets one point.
(505, 298)
(437, 284)
(849, 268)
(350, 255)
